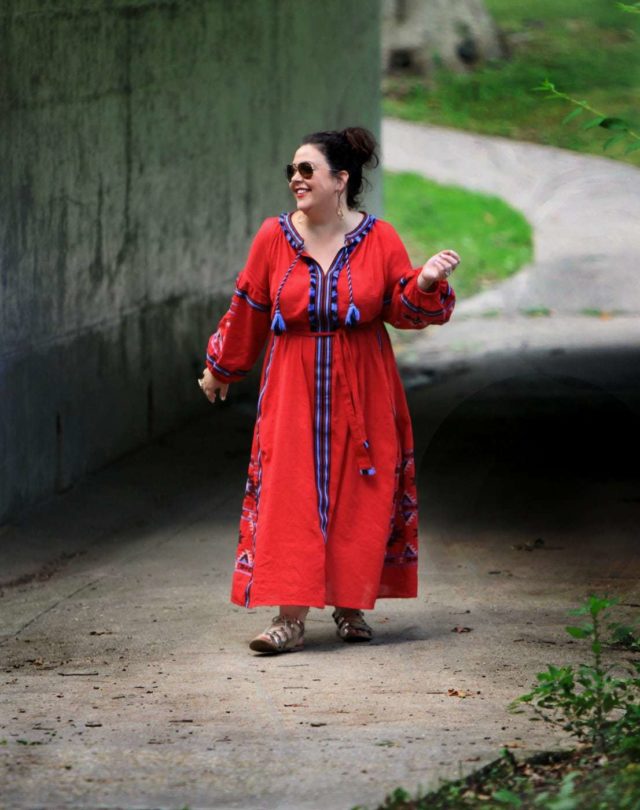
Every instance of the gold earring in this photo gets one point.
(340, 211)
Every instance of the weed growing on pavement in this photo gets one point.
(597, 703)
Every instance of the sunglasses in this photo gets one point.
(305, 169)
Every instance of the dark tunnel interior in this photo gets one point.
(538, 461)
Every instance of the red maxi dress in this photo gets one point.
(330, 513)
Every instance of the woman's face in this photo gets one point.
(321, 189)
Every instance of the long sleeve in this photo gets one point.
(242, 331)
(405, 305)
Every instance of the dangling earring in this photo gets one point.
(340, 211)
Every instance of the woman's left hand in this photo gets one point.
(438, 267)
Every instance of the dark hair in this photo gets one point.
(350, 149)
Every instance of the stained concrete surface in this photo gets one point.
(128, 670)
(140, 149)
(127, 680)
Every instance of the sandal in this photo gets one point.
(351, 625)
(284, 635)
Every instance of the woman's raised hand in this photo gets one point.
(210, 386)
(439, 266)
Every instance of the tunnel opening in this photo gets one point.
(535, 461)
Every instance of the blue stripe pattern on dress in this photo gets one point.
(223, 370)
(251, 301)
(323, 317)
(418, 309)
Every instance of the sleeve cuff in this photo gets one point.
(428, 299)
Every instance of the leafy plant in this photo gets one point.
(619, 126)
(592, 702)
(632, 9)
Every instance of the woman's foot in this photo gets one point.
(351, 625)
(286, 634)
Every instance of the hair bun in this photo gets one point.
(363, 144)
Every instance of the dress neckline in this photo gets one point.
(351, 238)
(347, 235)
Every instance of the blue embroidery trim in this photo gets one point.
(414, 308)
(251, 301)
(223, 370)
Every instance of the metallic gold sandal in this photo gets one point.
(351, 625)
(284, 635)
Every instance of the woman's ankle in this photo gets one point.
(298, 612)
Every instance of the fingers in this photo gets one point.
(210, 387)
(449, 258)
(445, 262)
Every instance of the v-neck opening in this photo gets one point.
(347, 237)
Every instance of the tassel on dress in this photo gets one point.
(278, 324)
(353, 313)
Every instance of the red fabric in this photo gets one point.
(330, 513)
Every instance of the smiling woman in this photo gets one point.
(330, 508)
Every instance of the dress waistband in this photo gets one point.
(343, 330)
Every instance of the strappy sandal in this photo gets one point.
(351, 625)
(284, 635)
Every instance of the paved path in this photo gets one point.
(126, 677)
(585, 212)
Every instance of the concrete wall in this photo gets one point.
(141, 144)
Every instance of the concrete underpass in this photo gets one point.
(126, 677)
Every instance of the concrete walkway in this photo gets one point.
(585, 213)
(126, 677)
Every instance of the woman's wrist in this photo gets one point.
(427, 284)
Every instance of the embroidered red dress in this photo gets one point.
(330, 513)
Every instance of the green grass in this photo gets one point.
(588, 48)
(493, 239)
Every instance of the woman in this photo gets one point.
(330, 512)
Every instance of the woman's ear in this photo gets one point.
(343, 177)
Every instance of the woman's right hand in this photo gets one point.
(210, 386)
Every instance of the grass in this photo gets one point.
(493, 239)
(589, 48)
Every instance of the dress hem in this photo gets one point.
(317, 605)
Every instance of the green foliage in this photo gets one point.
(493, 239)
(597, 702)
(634, 9)
(565, 798)
(588, 46)
(536, 312)
(623, 128)
(589, 701)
